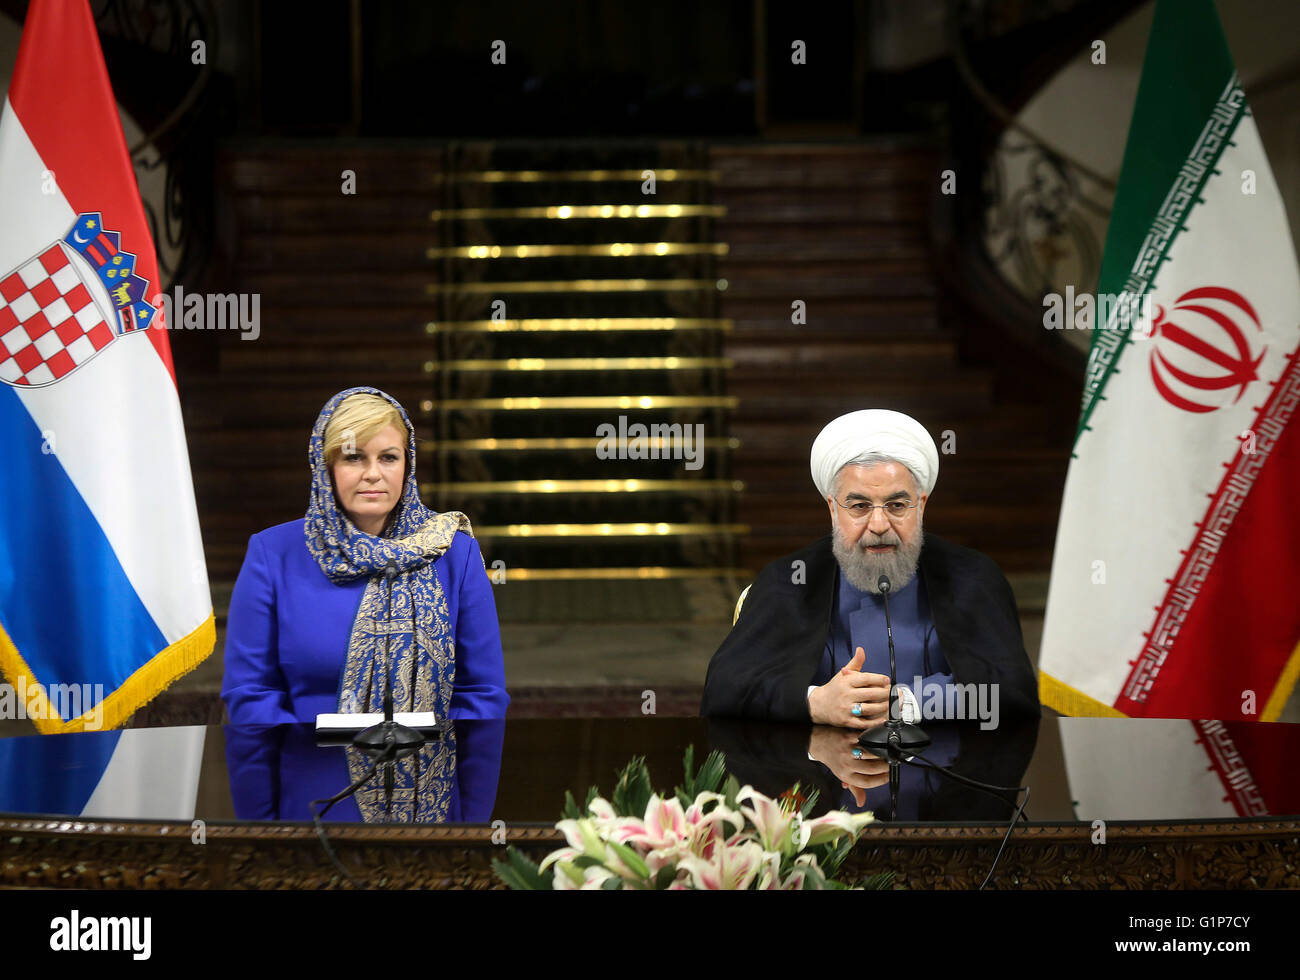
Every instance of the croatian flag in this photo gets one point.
(1174, 579)
(104, 596)
(138, 774)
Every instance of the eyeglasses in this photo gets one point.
(860, 510)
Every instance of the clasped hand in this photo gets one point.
(856, 768)
(833, 702)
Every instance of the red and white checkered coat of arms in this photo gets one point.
(67, 303)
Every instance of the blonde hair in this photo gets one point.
(356, 421)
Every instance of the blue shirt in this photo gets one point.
(858, 620)
(288, 629)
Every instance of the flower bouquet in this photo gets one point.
(710, 833)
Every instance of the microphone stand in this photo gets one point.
(388, 741)
(894, 736)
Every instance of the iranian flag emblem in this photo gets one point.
(1175, 579)
(1225, 358)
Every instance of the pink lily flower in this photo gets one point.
(569, 877)
(731, 867)
(828, 827)
(613, 827)
(778, 828)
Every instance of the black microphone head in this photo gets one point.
(883, 585)
(390, 570)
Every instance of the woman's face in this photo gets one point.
(368, 479)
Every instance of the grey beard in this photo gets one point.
(863, 569)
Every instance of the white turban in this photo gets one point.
(874, 430)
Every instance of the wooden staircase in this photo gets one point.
(378, 288)
(341, 283)
(608, 297)
(844, 229)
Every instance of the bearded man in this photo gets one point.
(809, 642)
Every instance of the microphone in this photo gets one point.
(390, 573)
(893, 735)
(388, 741)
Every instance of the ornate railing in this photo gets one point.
(160, 54)
(1036, 222)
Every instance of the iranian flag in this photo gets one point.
(1175, 580)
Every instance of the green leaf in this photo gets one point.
(520, 873)
(572, 872)
(571, 811)
(667, 874)
(509, 877)
(814, 878)
(729, 790)
(632, 792)
(712, 773)
(831, 855)
(611, 884)
(707, 780)
(631, 858)
(884, 881)
(686, 792)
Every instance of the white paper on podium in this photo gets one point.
(359, 723)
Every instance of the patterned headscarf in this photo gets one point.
(422, 648)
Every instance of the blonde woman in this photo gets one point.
(317, 598)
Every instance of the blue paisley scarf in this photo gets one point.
(422, 648)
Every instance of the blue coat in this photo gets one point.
(288, 628)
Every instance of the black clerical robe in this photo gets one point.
(768, 660)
